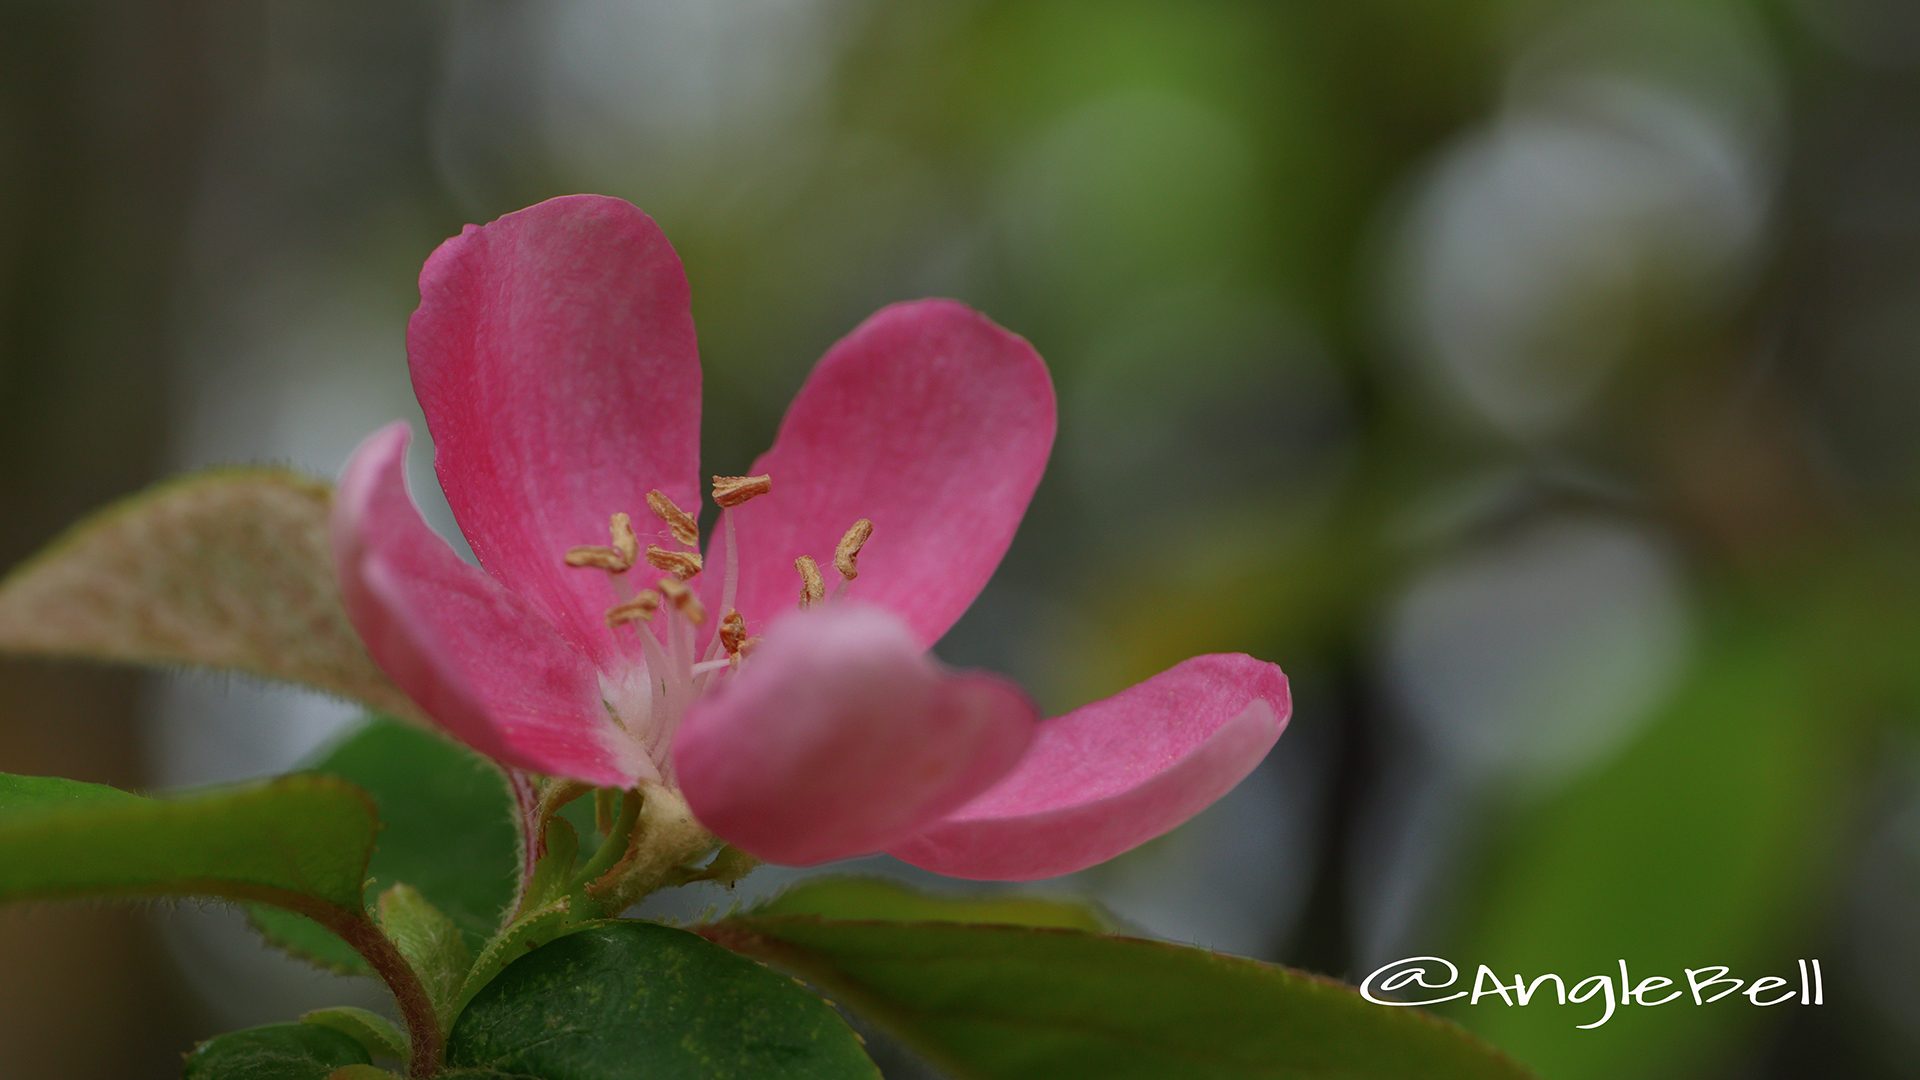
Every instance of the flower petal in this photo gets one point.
(553, 352)
(841, 736)
(1110, 776)
(474, 656)
(929, 420)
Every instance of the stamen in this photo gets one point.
(812, 588)
(681, 564)
(617, 559)
(638, 609)
(733, 632)
(730, 491)
(846, 555)
(683, 600)
(624, 542)
(682, 524)
(600, 558)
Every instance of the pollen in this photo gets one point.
(731, 491)
(681, 564)
(638, 609)
(615, 559)
(682, 524)
(846, 556)
(812, 588)
(600, 558)
(624, 541)
(683, 600)
(733, 632)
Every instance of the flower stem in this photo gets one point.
(416, 1007)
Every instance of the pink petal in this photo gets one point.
(928, 419)
(1110, 776)
(840, 736)
(553, 353)
(474, 656)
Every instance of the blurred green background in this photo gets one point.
(1535, 381)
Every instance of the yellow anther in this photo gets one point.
(684, 528)
(618, 558)
(846, 556)
(681, 564)
(600, 558)
(683, 600)
(734, 490)
(638, 609)
(733, 632)
(812, 588)
(624, 541)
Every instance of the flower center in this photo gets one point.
(650, 696)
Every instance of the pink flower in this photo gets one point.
(553, 353)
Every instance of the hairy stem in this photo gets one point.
(416, 1007)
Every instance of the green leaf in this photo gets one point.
(299, 841)
(274, 1052)
(25, 794)
(374, 1032)
(878, 899)
(1004, 1001)
(618, 997)
(447, 829)
(431, 944)
(225, 569)
(528, 932)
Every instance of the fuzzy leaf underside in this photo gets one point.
(226, 569)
